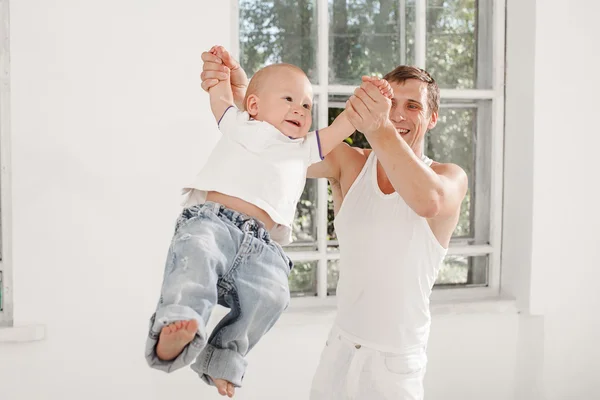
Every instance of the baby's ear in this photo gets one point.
(252, 105)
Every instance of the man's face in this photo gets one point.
(410, 113)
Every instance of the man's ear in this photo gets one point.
(433, 120)
(252, 105)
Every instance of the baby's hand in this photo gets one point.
(225, 57)
(383, 85)
(220, 53)
(220, 66)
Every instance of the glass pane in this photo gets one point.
(336, 106)
(333, 275)
(331, 236)
(304, 229)
(1, 290)
(368, 37)
(453, 140)
(452, 42)
(279, 31)
(456, 270)
(357, 139)
(303, 278)
(463, 271)
(315, 113)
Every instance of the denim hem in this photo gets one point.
(164, 317)
(221, 364)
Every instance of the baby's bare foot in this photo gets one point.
(224, 387)
(174, 337)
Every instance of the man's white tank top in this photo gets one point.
(389, 262)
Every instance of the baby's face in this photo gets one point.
(286, 103)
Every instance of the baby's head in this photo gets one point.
(281, 95)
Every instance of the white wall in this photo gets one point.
(551, 250)
(108, 121)
(566, 216)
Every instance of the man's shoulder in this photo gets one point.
(342, 159)
(345, 156)
(350, 161)
(449, 170)
(344, 150)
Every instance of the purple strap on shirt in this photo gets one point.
(220, 119)
(319, 144)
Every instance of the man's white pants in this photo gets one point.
(353, 371)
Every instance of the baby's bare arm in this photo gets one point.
(335, 133)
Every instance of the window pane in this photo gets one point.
(455, 271)
(303, 279)
(357, 139)
(333, 275)
(463, 271)
(1, 290)
(451, 42)
(278, 31)
(368, 37)
(304, 229)
(452, 140)
(330, 215)
(336, 106)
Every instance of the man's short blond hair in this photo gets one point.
(261, 77)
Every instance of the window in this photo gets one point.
(461, 43)
(5, 208)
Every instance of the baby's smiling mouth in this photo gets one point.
(293, 122)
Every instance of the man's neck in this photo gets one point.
(418, 149)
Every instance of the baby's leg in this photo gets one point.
(199, 253)
(256, 290)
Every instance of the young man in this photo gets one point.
(395, 213)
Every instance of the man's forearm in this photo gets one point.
(418, 184)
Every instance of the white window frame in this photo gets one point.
(489, 153)
(6, 315)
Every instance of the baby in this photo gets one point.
(238, 213)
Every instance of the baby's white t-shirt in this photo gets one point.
(257, 163)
